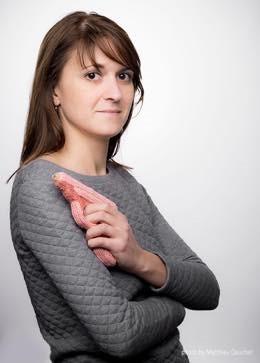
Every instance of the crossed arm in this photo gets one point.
(167, 274)
(189, 280)
(119, 327)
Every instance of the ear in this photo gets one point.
(55, 96)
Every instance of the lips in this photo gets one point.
(110, 111)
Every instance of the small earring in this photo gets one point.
(56, 107)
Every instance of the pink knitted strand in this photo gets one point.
(79, 196)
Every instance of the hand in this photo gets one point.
(114, 233)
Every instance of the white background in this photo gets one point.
(193, 146)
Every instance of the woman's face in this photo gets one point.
(95, 101)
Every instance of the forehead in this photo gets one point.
(74, 60)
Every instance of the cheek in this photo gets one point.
(74, 94)
(131, 94)
(78, 102)
(130, 99)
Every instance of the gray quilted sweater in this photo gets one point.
(86, 311)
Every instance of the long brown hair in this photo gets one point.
(82, 31)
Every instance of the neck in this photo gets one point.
(85, 156)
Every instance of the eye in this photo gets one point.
(129, 75)
(90, 74)
(126, 76)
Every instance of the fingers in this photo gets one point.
(99, 217)
(99, 229)
(100, 242)
(93, 207)
(98, 212)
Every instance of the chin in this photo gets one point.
(110, 132)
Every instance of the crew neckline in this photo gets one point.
(95, 178)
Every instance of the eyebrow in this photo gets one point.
(101, 66)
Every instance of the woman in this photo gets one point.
(86, 78)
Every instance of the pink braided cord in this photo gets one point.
(79, 196)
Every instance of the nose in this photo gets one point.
(112, 89)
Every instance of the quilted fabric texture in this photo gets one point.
(88, 312)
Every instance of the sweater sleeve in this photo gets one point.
(120, 328)
(189, 280)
